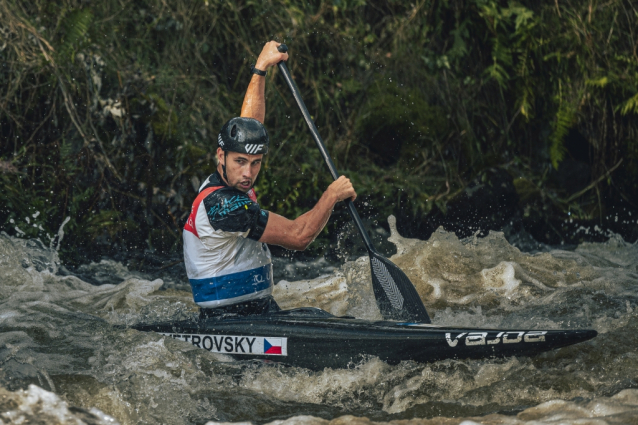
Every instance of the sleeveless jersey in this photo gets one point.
(224, 261)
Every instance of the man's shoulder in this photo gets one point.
(227, 202)
(214, 180)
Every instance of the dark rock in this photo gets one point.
(572, 175)
(574, 171)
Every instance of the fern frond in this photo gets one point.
(498, 73)
(525, 101)
(631, 105)
(502, 58)
(601, 82)
(565, 119)
(66, 149)
(75, 27)
(523, 16)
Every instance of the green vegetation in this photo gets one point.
(110, 110)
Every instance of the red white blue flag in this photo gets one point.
(272, 346)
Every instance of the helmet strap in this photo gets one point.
(224, 170)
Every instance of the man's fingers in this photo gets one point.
(270, 56)
(344, 188)
(354, 194)
(284, 56)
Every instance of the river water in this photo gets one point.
(67, 356)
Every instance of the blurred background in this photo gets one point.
(473, 115)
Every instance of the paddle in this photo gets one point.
(395, 294)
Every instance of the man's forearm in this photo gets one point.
(254, 105)
(299, 233)
(312, 223)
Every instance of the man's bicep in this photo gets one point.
(280, 231)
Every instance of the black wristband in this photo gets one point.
(257, 71)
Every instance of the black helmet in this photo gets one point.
(244, 135)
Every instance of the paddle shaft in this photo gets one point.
(396, 296)
(322, 148)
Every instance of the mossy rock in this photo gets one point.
(527, 191)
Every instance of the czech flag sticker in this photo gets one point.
(273, 346)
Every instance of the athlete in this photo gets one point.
(227, 260)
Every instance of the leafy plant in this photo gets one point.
(110, 111)
(75, 27)
(565, 120)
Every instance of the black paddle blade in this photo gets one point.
(396, 296)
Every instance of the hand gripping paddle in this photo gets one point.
(396, 296)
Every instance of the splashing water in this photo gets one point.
(65, 342)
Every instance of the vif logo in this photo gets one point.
(253, 149)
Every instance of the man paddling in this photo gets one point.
(227, 260)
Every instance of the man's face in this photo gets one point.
(241, 168)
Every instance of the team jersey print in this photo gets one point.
(229, 344)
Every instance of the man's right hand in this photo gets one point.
(342, 189)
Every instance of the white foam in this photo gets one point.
(60, 334)
(36, 405)
(501, 278)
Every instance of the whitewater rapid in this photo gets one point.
(66, 351)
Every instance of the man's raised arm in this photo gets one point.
(254, 105)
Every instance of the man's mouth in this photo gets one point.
(245, 184)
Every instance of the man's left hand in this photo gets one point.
(270, 56)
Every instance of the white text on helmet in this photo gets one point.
(253, 149)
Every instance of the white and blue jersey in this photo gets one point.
(225, 262)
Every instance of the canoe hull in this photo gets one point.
(318, 342)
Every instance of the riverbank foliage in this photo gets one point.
(110, 110)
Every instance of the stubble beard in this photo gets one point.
(237, 184)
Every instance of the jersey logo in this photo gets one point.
(228, 206)
(253, 149)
